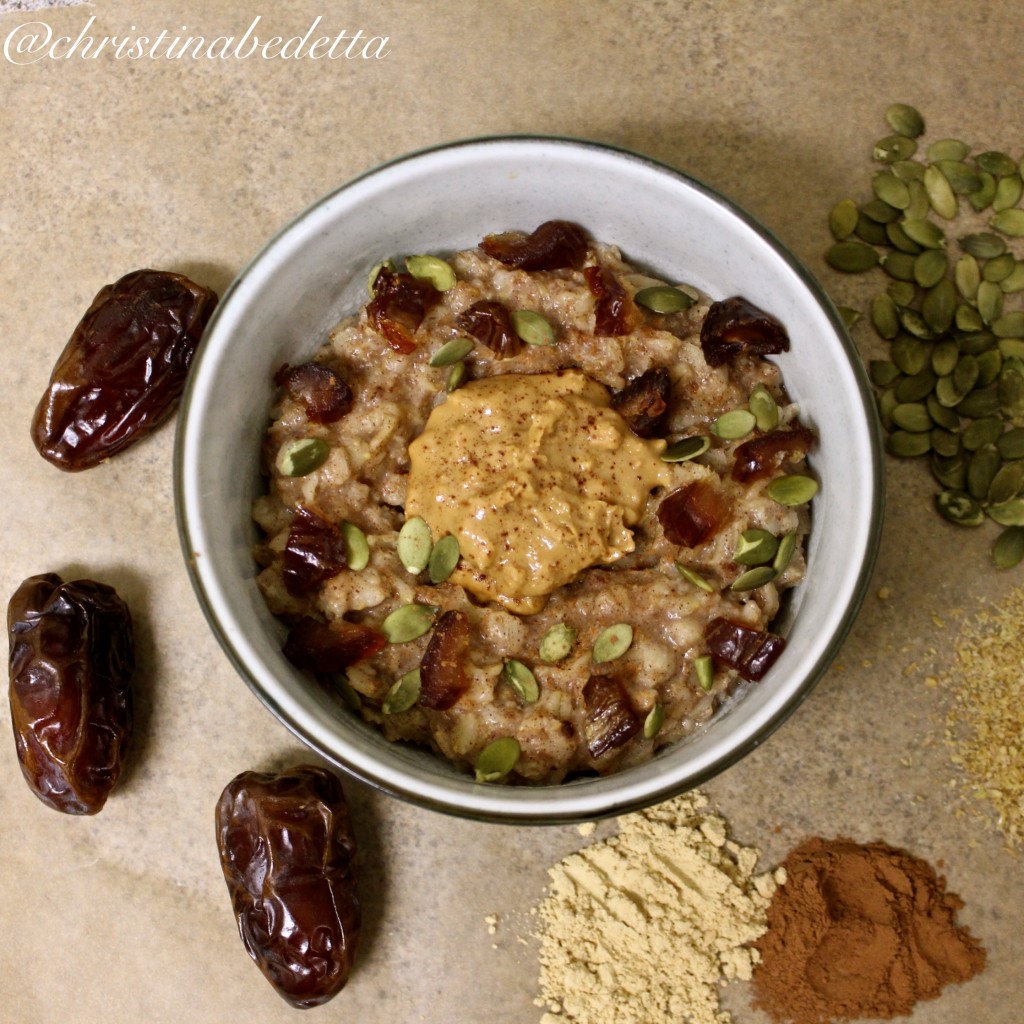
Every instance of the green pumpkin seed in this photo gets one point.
(755, 547)
(522, 680)
(794, 489)
(947, 149)
(1009, 513)
(357, 549)
(891, 190)
(885, 316)
(764, 407)
(999, 268)
(704, 667)
(950, 472)
(532, 327)
(982, 199)
(654, 721)
(753, 578)
(432, 269)
(613, 642)
(1014, 282)
(965, 373)
(996, 163)
(879, 212)
(902, 293)
(694, 577)
(920, 205)
(301, 456)
(990, 301)
(899, 265)
(1008, 550)
(984, 402)
(908, 170)
(962, 179)
(967, 276)
(887, 401)
(444, 556)
(945, 355)
(909, 354)
(1008, 192)
(989, 365)
(947, 393)
(943, 416)
(945, 442)
(882, 372)
(497, 759)
(976, 342)
(967, 318)
(849, 315)
(347, 692)
(959, 508)
(1009, 222)
(905, 445)
(851, 257)
(917, 387)
(1010, 325)
(1011, 348)
(452, 352)
(784, 554)
(893, 148)
(414, 544)
(939, 306)
(557, 643)
(402, 694)
(870, 231)
(930, 267)
(456, 375)
(912, 416)
(662, 298)
(408, 622)
(981, 471)
(981, 433)
(685, 449)
(915, 324)
(1011, 444)
(940, 193)
(904, 119)
(1007, 483)
(925, 233)
(1010, 389)
(983, 244)
(733, 425)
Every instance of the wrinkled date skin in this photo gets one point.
(288, 853)
(72, 656)
(123, 370)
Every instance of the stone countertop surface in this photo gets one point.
(191, 163)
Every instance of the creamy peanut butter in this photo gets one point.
(537, 476)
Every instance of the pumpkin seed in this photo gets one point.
(1009, 513)
(849, 315)
(939, 306)
(764, 407)
(909, 354)
(999, 268)
(685, 449)
(347, 692)
(981, 471)
(959, 508)
(887, 401)
(902, 293)
(753, 578)
(497, 759)
(925, 233)
(654, 721)
(945, 442)
(917, 387)
(912, 416)
(408, 622)
(1008, 192)
(947, 393)
(694, 577)
(430, 268)
(944, 356)
(302, 455)
(920, 205)
(981, 433)
(557, 643)
(613, 642)
(755, 547)
(930, 267)
(870, 231)
(940, 193)
(357, 549)
(947, 149)
(962, 179)
(1014, 282)
(996, 163)
(733, 425)
(522, 680)
(908, 170)
(1011, 348)
(1010, 325)
(793, 489)
(950, 472)
(944, 417)
(1007, 483)
(402, 694)
(914, 323)
(452, 352)
(882, 372)
(982, 199)
(532, 327)
(414, 544)
(444, 556)
(456, 375)
(891, 190)
(885, 316)
(990, 301)
(983, 402)
(967, 276)
(1008, 550)
(704, 666)
(784, 555)
(904, 119)
(905, 445)
(1009, 222)
(879, 212)
(899, 265)
(965, 373)
(989, 365)
(967, 318)
(975, 342)
(1011, 444)
(893, 148)
(1010, 390)
(663, 298)
(851, 257)
(983, 244)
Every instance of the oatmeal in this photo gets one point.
(531, 495)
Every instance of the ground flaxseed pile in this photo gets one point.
(985, 724)
(642, 928)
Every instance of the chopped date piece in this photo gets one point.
(761, 456)
(123, 369)
(324, 647)
(288, 855)
(315, 551)
(643, 402)
(321, 391)
(443, 677)
(491, 324)
(72, 656)
(693, 513)
(611, 720)
(555, 245)
(751, 652)
(735, 325)
(399, 304)
(615, 314)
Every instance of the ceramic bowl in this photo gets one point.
(313, 273)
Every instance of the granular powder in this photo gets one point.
(859, 931)
(642, 928)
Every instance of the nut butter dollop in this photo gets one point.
(537, 476)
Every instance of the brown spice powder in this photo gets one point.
(859, 930)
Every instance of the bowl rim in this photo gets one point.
(513, 805)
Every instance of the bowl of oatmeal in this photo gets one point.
(528, 479)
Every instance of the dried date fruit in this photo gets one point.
(735, 326)
(693, 513)
(751, 652)
(611, 720)
(761, 456)
(314, 552)
(443, 678)
(615, 313)
(491, 324)
(288, 855)
(555, 245)
(321, 391)
(123, 370)
(643, 402)
(326, 647)
(399, 304)
(72, 656)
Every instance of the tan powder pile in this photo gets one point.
(644, 927)
(985, 725)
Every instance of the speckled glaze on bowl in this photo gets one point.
(313, 273)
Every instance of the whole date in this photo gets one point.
(72, 656)
(288, 854)
(124, 368)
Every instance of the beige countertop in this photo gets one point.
(191, 164)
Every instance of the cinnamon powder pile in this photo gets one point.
(859, 930)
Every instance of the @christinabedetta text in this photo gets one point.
(34, 41)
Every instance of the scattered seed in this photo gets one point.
(452, 352)
(408, 622)
(940, 193)
(893, 148)
(522, 680)
(908, 170)
(930, 268)
(947, 149)
(996, 163)
(917, 387)
(357, 549)
(557, 643)
(891, 190)
(733, 425)
(871, 231)
(497, 759)
(753, 578)
(925, 232)
(951, 472)
(532, 327)
(902, 293)
(764, 408)
(879, 212)
(793, 489)
(414, 544)
(967, 276)
(851, 257)
(1008, 550)
(654, 721)
(984, 402)
(1014, 282)
(946, 418)
(982, 199)
(666, 299)
(1009, 513)
(456, 375)
(990, 363)
(613, 642)
(882, 372)
(962, 178)
(1006, 484)
(982, 432)
(694, 577)
(915, 324)
(685, 449)
(944, 442)
(912, 416)
(981, 471)
(347, 692)
(432, 269)
(939, 306)
(967, 318)
(990, 301)
(885, 317)
(402, 694)
(899, 265)
(944, 356)
(755, 547)
(302, 456)
(1008, 192)
(704, 666)
(444, 556)
(899, 239)
(905, 445)
(784, 554)
(983, 245)
(1010, 325)
(1011, 444)
(1010, 222)
(849, 315)
(959, 508)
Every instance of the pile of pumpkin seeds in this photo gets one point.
(945, 225)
